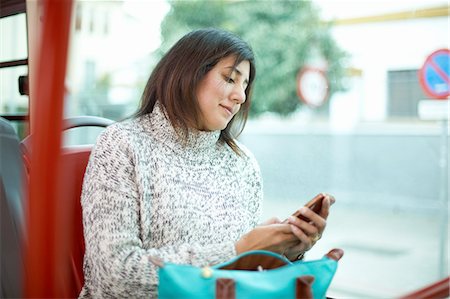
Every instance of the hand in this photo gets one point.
(271, 235)
(272, 220)
(308, 233)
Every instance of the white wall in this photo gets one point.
(376, 48)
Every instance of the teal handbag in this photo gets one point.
(254, 274)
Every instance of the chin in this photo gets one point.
(217, 125)
(218, 128)
(213, 128)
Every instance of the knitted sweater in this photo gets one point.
(145, 193)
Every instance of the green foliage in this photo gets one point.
(283, 35)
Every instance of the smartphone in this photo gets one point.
(314, 204)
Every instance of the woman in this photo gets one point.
(173, 182)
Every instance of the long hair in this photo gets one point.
(175, 78)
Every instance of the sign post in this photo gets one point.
(434, 77)
(312, 86)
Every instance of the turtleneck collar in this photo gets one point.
(163, 130)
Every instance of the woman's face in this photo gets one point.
(221, 93)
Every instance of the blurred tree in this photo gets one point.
(285, 36)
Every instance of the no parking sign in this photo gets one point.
(434, 76)
(312, 86)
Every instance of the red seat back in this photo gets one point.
(74, 162)
(69, 251)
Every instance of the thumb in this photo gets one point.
(273, 220)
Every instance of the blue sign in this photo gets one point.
(434, 76)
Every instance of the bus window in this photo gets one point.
(14, 69)
(335, 109)
(12, 100)
(13, 37)
(110, 59)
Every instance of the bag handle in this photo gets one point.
(254, 260)
(250, 260)
(226, 288)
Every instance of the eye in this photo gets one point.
(228, 79)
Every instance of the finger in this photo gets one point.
(272, 220)
(332, 199)
(282, 234)
(281, 228)
(314, 218)
(308, 228)
(304, 239)
(326, 203)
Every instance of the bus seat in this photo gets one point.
(74, 162)
(12, 191)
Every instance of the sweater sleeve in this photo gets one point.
(116, 262)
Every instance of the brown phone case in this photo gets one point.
(314, 204)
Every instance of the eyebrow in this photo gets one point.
(235, 69)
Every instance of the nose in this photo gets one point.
(238, 94)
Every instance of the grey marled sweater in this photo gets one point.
(146, 194)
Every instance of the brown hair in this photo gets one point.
(175, 78)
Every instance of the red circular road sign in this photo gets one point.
(312, 86)
(434, 76)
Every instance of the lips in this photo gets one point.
(229, 109)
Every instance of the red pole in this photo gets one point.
(44, 253)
